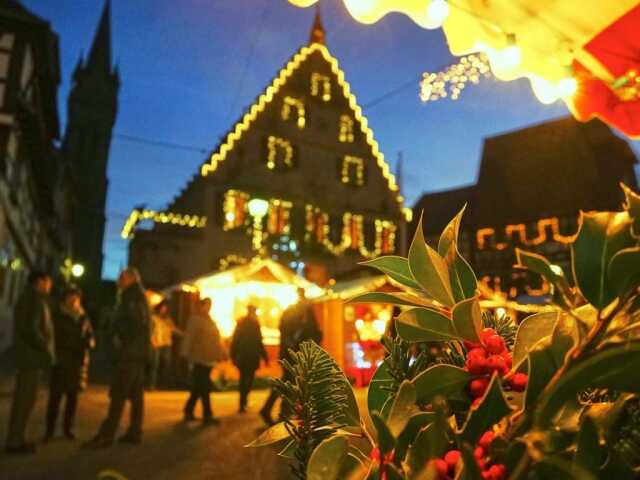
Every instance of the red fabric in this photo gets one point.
(617, 48)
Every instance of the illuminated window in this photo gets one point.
(321, 86)
(280, 153)
(289, 104)
(385, 237)
(279, 214)
(352, 172)
(235, 209)
(346, 129)
(317, 225)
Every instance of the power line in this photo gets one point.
(160, 143)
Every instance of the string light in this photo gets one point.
(510, 230)
(275, 144)
(240, 128)
(230, 261)
(288, 104)
(451, 81)
(321, 83)
(346, 129)
(178, 219)
(437, 13)
(358, 166)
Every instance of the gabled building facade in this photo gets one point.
(531, 187)
(305, 152)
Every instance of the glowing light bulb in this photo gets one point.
(437, 13)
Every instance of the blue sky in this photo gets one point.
(190, 67)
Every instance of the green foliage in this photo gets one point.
(579, 416)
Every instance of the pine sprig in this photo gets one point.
(315, 400)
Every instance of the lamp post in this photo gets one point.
(70, 269)
(258, 209)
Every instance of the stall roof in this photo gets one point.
(350, 288)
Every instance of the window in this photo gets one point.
(290, 104)
(352, 172)
(385, 237)
(235, 209)
(321, 86)
(280, 153)
(6, 44)
(346, 129)
(279, 215)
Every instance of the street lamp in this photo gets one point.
(77, 270)
(258, 209)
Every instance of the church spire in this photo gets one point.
(100, 53)
(317, 31)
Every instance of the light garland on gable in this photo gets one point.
(275, 145)
(543, 224)
(346, 129)
(293, 103)
(451, 81)
(231, 260)
(321, 86)
(234, 208)
(182, 220)
(265, 98)
(351, 164)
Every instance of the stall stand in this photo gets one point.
(262, 282)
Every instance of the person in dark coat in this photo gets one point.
(131, 341)
(246, 351)
(297, 324)
(74, 337)
(34, 347)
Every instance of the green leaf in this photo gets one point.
(624, 270)
(416, 422)
(557, 468)
(379, 388)
(431, 442)
(463, 280)
(393, 472)
(447, 380)
(449, 235)
(552, 273)
(471, 469)
(395, 267)
(386, 441)
(632, 206)
(467, 319)
(404, 405)
(429, 269)
(289, 449)
(532, 329)
(393, 298)
(615, 368)
(588, 451)
(491, 410)
(327, 458)
(425, 325)
(271, 435)
(600, 237)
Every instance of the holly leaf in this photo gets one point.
(463, 280)
(467, 319)
(396, 268)
(429, 269)
(449, 235)
(615, 368)
(431, 442)
(552, 273)
(557, 468)
(393, 298)
(327, 459)
(471, 470)
(425, 325)
(632, 206)
(492, 408)
(624, 270)
(271, 435)
(379, 389)
(600, 236)
(386, 441)
(415, 423)
(588, 452)
(446, 380)
(530, 332)
(404, 405)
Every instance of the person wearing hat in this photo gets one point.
(246, 351)
(73, 339)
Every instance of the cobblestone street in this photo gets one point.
(171, 449)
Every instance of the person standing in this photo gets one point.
(74, 338)
(246, 351)
(131, 341)
(202, 347)
(297, 324)
(162, 330)
(34, 346)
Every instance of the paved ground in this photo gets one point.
(171, 449)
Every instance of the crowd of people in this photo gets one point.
(56, 337)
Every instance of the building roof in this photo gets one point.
(100, 53)
(438, 208)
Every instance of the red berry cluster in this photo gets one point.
(485, 358)
(446, 466)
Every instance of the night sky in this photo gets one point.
(190, 67)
